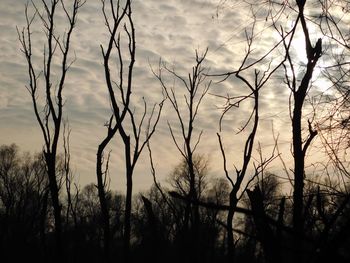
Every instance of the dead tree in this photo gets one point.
(69, 177)
(112, 127)
(238, 186)
(334, 128)
(299, 91)
(195, 90)
(134, 133)
(49, 114)
(264, 232)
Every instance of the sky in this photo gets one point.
(168, 30)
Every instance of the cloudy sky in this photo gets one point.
(171, 30)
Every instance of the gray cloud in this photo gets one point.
(171, 31)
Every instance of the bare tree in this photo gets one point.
(334, 127)
(72, 197)
(134, 133)
(49, 115)
(102, 172)
(306, 202)
(299, 89)
(195, 90)
(23, 197)
(180, 179)
(241, 183)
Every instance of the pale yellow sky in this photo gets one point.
(170, 30)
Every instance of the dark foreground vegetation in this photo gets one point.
(246, 214)
(162, 227)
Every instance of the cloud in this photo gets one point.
(171, 31)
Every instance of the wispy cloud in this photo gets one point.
(170, 31)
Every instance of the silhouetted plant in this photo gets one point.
(49, 117)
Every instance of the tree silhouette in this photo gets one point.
(195, 90)
(23, 203)
(237, 183)
(244, 212)
(50, 116)
(122, 33)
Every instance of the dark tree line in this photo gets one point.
(159, 218)
(244, 214)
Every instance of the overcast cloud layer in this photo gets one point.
(171, 30)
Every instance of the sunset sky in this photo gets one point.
(169, 30)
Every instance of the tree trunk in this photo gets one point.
(193, 208)
(43, 215)
(264, 231)
(230, 238)
(103, 202)
(54, 191)
(299, 160)
(298, 167)
(128, 200)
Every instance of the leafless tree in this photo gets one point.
(307, 204)
(180, 180)
(49, 114)
(102, 172)
(23, 199)
(196, 87)
(239, 182)
(134, 133)
(299, 89)
(72, 194)
(334, 127)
